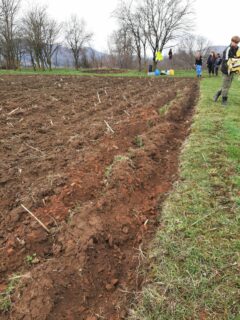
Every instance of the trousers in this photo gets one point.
(226, 83)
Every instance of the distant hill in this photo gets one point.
(63, 57)
(218, 49)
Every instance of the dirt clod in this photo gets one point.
(125, 230)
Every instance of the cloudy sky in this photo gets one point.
(215, 21)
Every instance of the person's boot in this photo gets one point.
(217, 95)
(224, 101)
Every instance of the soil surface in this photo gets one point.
(105, 71)
(93, 158)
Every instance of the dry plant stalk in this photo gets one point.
(39, 221)
(108, 126)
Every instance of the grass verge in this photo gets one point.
(83, 72)
(194, 262)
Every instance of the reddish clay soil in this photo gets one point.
(105, 70)
(93, 159)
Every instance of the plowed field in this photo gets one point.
(93, 158)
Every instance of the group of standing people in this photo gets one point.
(214, 62)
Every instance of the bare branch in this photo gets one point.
(8, 31)
(77, 37)
(166, 21)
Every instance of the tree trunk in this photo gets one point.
(139, 61)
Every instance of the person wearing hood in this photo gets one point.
(210, 63)
(217, 64)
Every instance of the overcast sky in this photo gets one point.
(215, 21)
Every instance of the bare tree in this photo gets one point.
(191, 44)
(132, 20)
(19, 47)
(77, 37)
(122, 47)
(40, 33)
(95, 58)
(33, 29)
(165, 21)
(8, 30)
(51, 33)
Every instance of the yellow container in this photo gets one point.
(171, 72)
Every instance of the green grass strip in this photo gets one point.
(194, 263)
(84, 72)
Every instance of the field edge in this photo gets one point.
(194, 260)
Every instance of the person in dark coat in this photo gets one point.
(217, 64)
(210, 63)
(228, 53)
(170, 54)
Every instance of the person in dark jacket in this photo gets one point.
(217, 64)
(210, 63)
(229, 52)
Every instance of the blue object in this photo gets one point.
(198, 70)
(157, 72)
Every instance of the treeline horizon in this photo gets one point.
(144, 27)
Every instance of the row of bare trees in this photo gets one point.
(9, 32)
(151, 24)
(37, 35)
(144, 26)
